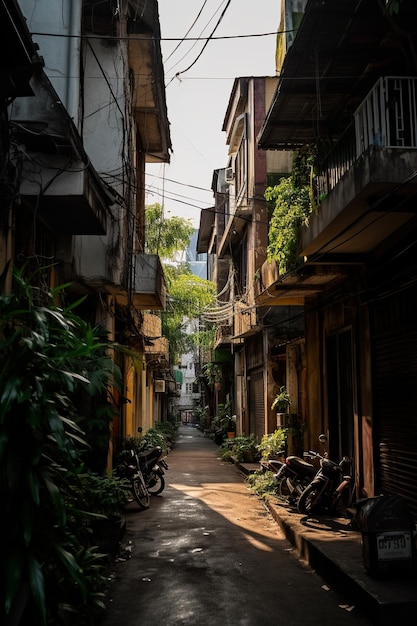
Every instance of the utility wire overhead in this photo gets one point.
(142, 38)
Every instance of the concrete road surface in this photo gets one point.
(207, 552)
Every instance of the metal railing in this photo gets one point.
(387, 118)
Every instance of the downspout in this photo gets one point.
(73, 60)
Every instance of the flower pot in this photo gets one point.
(231, 434)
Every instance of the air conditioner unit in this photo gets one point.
(159, 386)
(229, 175)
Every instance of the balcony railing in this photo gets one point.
(387, 118)
(148, 282)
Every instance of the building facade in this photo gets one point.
(348, 87)
(79, 139)
(250, 345)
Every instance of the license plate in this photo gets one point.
(394, 545)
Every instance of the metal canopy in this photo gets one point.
(341, 48)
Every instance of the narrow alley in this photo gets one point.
(207, 551)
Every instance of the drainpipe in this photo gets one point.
(72, 86)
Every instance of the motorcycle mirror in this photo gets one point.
(322, 438)
(139, 429)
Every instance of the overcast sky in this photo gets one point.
(198, 97)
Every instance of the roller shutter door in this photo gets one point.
(395, 411)
(257, 403)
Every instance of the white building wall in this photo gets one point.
(98, 108)
(104, 94)
(59, 45)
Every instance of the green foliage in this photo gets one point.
(241, 448)
(212, 372)
(189, 296)
(200, 416)
(292, 208)
(226, 454)
(151, 439)
(263, 483)
(293, 200)
(273, 444)
(46, 354)
(281, 401)
(162, 434)
(205, 338)
(103, 494)
(166, 236)
(167, 429)
(227, 451)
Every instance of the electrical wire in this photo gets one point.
(207, 41)
(188, 31)
(195, 42)
(135, 37)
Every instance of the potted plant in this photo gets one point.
(228, 424)
(245, 449)
(282, 403)
(274, 445)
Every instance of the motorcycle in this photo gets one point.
(153, 465)
(329, 486)
(271, 465)
(132, 471)
(294, 476)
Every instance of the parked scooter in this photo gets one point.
(271, 465)
(294, 476)
(153, 465)
(329, 485)
(132, 471)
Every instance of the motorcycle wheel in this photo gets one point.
(140, 492)
(308, 501)
(283, 489)
(155, 484)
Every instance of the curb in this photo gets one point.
(331, 548)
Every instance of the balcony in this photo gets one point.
(148, 282)
(59, 183)
(149, 104)
(224, 334)
(367, 182)
(156, 346)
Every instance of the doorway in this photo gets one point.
(340, 394)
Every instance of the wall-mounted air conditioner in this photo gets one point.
(159, 386)
(229, 175)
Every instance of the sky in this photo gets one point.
(197, 98)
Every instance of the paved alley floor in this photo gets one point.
(207, 552)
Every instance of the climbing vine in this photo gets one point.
(292, 201)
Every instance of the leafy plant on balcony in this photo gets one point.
(292, 208)
(293, 200)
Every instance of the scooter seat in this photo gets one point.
(300, 466)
